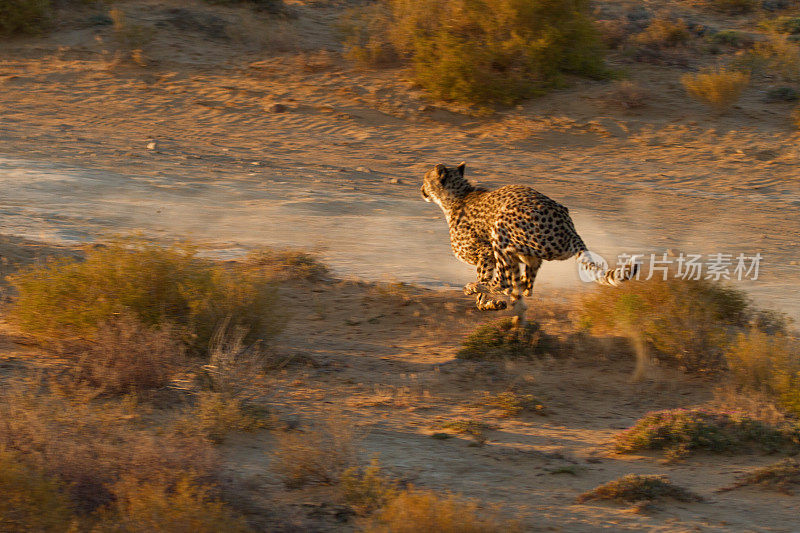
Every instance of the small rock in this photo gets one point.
(441, 436)
(364, 169)
(278, 108)
(152, 145)
(427, 108)
(396, 181)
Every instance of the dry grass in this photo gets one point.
(89, 444)
(768, 364)
(24, 16)
(367, 490)
(424, 511)
(510, 403)
(718, 88)
(31, 500)
(218, 414)
(127, 357)
(320, 454)
(635, 488)
(502, 340)
(185, 506)
(663, 33)
(782, 476)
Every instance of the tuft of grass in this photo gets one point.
(768, 364)
(782, 476)
(218, 414)
(777, 54)
(663, 33)
(285, 265)
(685, 323)
(510, 403)
(186, 505)
(318, 455)
(718, 88)
(128, 357)
(161, 287)
(367, 490)
(636, 488)
(474, 428)
(682, 431)
(423, 511)
(24, 16)
(482, 51)
(503, 340)
(32, 501)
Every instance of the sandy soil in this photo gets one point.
(337, 170)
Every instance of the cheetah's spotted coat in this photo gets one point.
(498, 231)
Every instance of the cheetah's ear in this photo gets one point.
(460, 168)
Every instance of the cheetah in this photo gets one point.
(506, 234)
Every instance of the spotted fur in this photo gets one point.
(506, 234)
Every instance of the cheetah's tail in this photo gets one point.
(592, 271)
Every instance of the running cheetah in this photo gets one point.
(500, 231)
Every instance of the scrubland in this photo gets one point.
(150, 385)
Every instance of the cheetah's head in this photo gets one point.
(441, 184)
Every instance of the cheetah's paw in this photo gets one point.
(475, 288)
(492, 305)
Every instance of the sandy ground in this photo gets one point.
(337, 170)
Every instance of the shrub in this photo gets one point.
(768, 364)
(218, 414)
(90, 445)
(776, 54)
(23, 16)
(127, 357)
(366, 490)
(781, 476)
(663, 33)
(628, 95)
(782, 94)
(422, 511)
(732, 38)
(502, 339)
(784, 24)
(187, 505)
(719, 88)
(636, 488)
(509, 403)
(366, 34)
(681, 431)
(159, 286)
(474, 428)
(487, 51)
(319, 455)
(730, 7)
(685, 322)
(31, 501)
(285, 265)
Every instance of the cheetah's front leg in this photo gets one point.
(482, 288)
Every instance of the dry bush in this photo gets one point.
(285, 265)
(162, 287)
(636, 488)
(24, 16)
(186, 505)
(782, 476)
(424, 511)
(777, 54)
(510, 403)
(366, 34)
(718, 88)
(318, 455)
(613, 33)
(89, 444)
(682, 431)
(503, 340)
(663, 33)
(128, 357)
(732, 38)
(628, 95)
(484, 51)
(730, 7)
(684, 323)
(218, 414)
(768, 364)
(367, 490)
(31, 501)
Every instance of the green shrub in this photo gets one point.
(636, 488)
(31, 501)
(768, 364)
(485, 51)
(23, 16)
(686, 323)
(682, 431)
(503, 340)
(160, 287)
